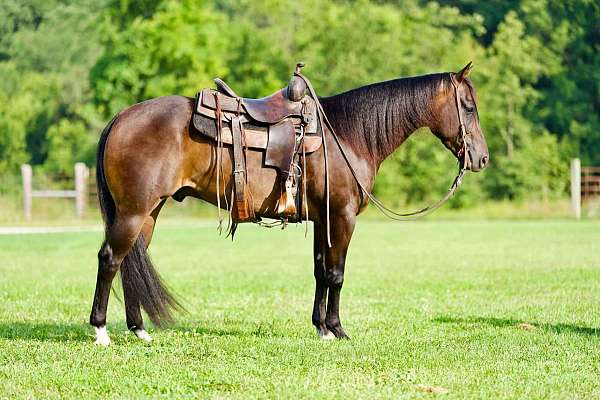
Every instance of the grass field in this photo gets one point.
(430, 307)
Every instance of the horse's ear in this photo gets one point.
(460, 76)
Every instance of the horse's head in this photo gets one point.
(457, 121)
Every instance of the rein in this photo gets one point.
(411, 216)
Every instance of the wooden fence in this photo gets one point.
(590, 182)
(585, 187)
(78, 191)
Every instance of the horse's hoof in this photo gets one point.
(325, 335)
(143, 335)
(102, 338)
(338, 332)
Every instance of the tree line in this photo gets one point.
(67, 67)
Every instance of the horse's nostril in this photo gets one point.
(484, 161)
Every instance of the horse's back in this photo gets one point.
(162, 119)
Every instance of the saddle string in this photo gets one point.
(219, 163)
(220, 172)
(386, 210)
(303, 174)
(245, 157)
(227, 201)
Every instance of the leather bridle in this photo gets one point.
(463, 152)
(462, 155)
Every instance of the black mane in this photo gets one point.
(375, 119)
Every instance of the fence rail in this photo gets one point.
(590, 182)
(80, 193)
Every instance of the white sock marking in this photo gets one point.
(143, 335)
(102, 338)
(327, 337)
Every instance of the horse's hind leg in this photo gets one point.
(133, 311)
(120, 238)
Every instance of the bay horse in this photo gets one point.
(148, 153)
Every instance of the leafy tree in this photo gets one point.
(52, 82)
(176, 51)
(15, 113)
(569, 101)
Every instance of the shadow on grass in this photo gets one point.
(205, 331)
(515, 323)
(61, 332)
(256, 330)
(56, 332)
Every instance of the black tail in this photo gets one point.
(139, 276)
(137, 272)
(107, 205)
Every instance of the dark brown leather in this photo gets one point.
(274, 108)
(281, 146)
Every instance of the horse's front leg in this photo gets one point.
(342, 228)
(320, 304)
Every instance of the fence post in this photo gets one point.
(81, 174)
(26, 176)
(576, 187)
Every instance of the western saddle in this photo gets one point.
(285, 125)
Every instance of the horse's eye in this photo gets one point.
(470, 109)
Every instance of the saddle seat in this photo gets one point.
(269, 110)
(274, 108)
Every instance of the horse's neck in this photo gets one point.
(376, 119)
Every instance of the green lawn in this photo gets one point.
(429, 306)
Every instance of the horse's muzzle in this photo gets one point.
(476, 164)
